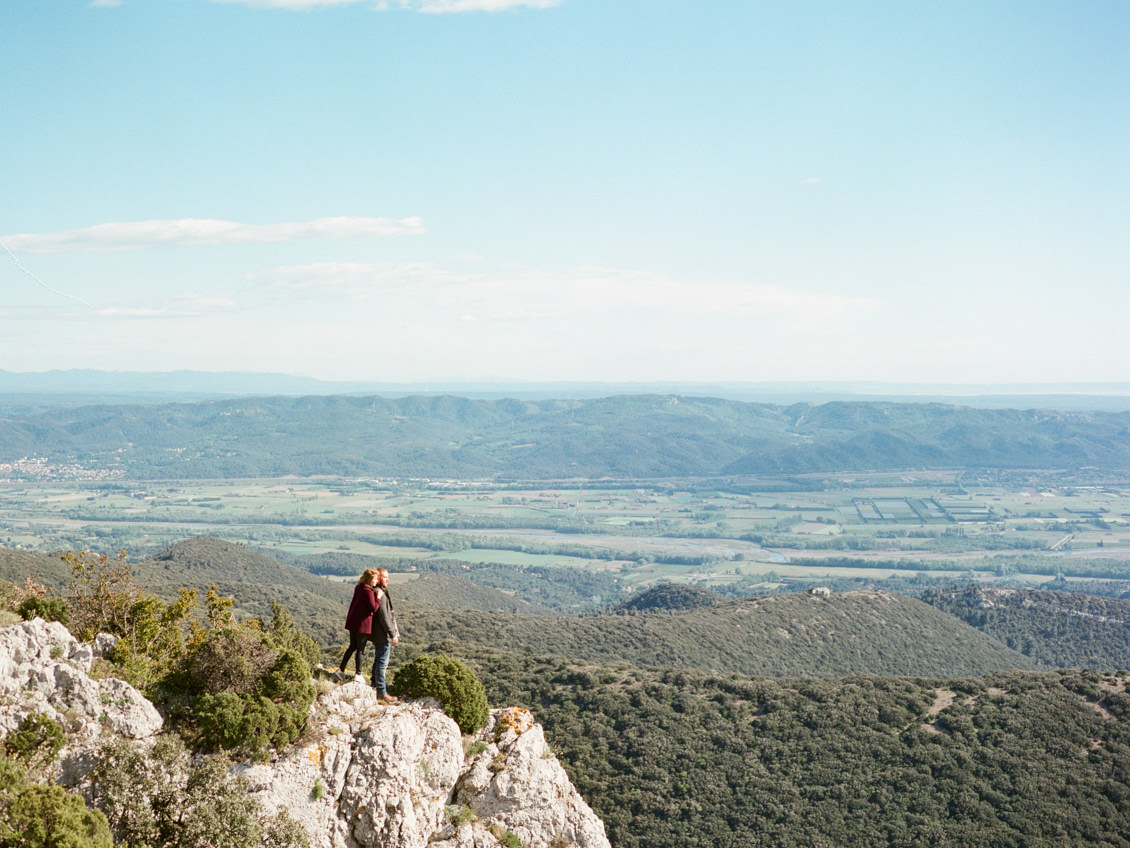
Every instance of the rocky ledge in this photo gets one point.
(364, 774)
(402, 775)
(45, 670)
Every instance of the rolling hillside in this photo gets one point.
(253, 579)
(783, 635)
(625, 437)
(860, 719)
(450, 592)
(779, 635)
(671, 759)
(47, 569)
(1057, 629)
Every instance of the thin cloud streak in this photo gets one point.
(297, 5)
(188, 307)
(540, 295)
(135, 235)
(439, 7)
(435, 7)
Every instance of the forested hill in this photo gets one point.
(671, 759)
(777, 635)
(627, 436)
(1058, 629)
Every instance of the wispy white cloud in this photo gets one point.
(184, 307)
(292, 4)
(426, 320)
(353, 280)
(632, 296)
(193, 231)
(444, 6)
(427, 6)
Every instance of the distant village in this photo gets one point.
(38, 468)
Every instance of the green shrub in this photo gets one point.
(102, 592)
(246, 684)
(36, 815)
(163, 798)
(243, 684)
(459, 814)
(266, 709)
(47, 816)
(37, 738)
(49, 609)
(288, 680)
(284, 635)
(248, 721)
(233, 659)
(221, 719)
(156, 640)
(454, 685)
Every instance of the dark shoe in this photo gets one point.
(388, 699)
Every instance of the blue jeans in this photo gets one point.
(380, 664)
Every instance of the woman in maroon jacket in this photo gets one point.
(359, 620)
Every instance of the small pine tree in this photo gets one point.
(36, 815)
(454, 685)
(49, 609)
(38, 738)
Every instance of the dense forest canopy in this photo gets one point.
(677, 758)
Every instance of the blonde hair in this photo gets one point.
(368, 576)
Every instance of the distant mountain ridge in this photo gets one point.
(88, 381)
(80, 386)
(626, 436)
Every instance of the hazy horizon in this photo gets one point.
(74, 387)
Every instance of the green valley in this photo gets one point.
(854, 624)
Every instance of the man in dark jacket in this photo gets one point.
(384, 635)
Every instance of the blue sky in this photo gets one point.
(576, 190)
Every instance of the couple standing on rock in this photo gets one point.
(371, 619)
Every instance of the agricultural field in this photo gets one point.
(749, 531)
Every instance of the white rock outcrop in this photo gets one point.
(397, 776)
(515, 784)
(45, 670)
(364, 774)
